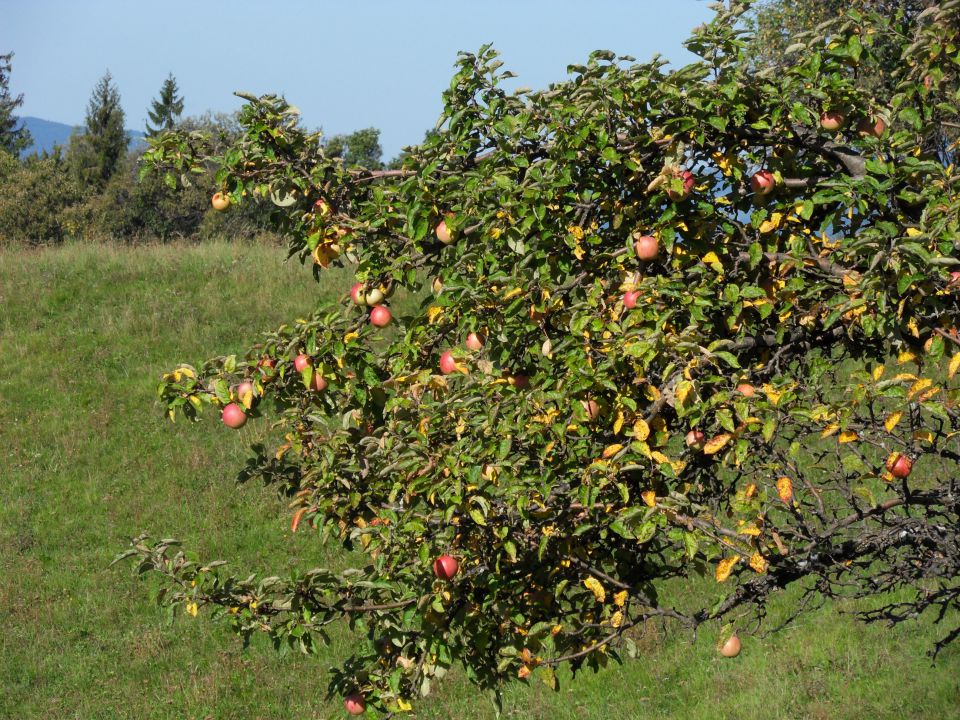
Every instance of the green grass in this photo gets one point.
(87, 461)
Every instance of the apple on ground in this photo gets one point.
(355, 704)
(220, 201)
(646, 247)
(233, 416)
(695, 439)
(731, 648)
(301, 362)
(380, 316)
(899, 465)
(474, 342)
(630, 299)
(763, 182)
(445, 567)
(832, 120)
(688, 181)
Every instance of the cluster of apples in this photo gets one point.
(869, 126)
(373, 297)
(234, 414)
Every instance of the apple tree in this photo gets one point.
(685, 337)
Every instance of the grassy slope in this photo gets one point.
(86, 461)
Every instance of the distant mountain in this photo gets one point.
(46, 134)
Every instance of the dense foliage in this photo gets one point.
(715, 323)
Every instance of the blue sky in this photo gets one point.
(346, 65)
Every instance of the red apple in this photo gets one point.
(695, 439)
(899, 465)
(373, 297)
(474, 342)
(731, 648)
(688, 182)
(763, 182)
(832, 120)
(630, 299)
(318, 383)
(445, 567)
(357, 294)
(871, 126)
(245, 389)
(355, 704)
(647, 247)
(746, 389)
(301, 362)
(448, 364)
(591, 408)
(220, 201)
(380, 316)
(233, 416)
(443, 232)
(521, 382)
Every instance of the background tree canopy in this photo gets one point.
(675, 324)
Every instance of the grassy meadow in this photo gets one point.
(87, 460)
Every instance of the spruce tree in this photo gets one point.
(166, 110)
(13, 139)
(104, 138)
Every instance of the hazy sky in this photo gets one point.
(346, 65)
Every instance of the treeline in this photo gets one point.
(91, 189)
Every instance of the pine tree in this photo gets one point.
(165, 111)
(13, 139)
(104, 141)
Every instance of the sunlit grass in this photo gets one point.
(87, 461)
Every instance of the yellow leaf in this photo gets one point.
(923, 435)
(878, 372)
(773, 395)
(618, 422)
(954, 366)
(188, 371)
(892, 419)
(710, 258)
(848, 436)
(433, 313)
(905, 357)
(829, 430)
(775, 221)
(611, 450)
(350, 336)
(524, 672)
(513, 293)
(641, 431)
(616, 620)
(403, 705)
(716, 444)
(684, 388)
(758, 563)
(749, 529)
(918, 387)
(649, 497)
(192, 609)
(913, 232)
(785, 489)
(725, 566)
(620, 598)
(594, 586)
